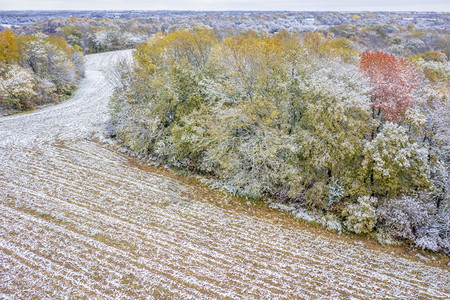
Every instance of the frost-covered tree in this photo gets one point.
(17, 88)
(46, 60)
(163, 87)
(37, 69)
(334, 122)
(317, 43)
(437, 138)
(398, 164)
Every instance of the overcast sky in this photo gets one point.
(298, 5)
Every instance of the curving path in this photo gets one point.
(79, 220)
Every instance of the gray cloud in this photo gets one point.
(299, 5)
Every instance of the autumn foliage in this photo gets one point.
(36, 70)
(275, 115)
(8, 47)
(393, 82)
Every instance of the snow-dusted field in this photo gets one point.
(78, 219)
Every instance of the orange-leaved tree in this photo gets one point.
(393, 82)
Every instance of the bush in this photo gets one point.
(403, 218)
(436, 237)
(361, 217)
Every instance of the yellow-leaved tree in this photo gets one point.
(9, 52)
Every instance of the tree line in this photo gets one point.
(305, 119)
(36, 70)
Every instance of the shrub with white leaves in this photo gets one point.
(404, 217)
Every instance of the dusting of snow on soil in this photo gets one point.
(78, 220)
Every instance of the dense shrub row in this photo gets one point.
(301, 120)
(36, 70)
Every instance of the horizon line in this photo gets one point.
(207, 10)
